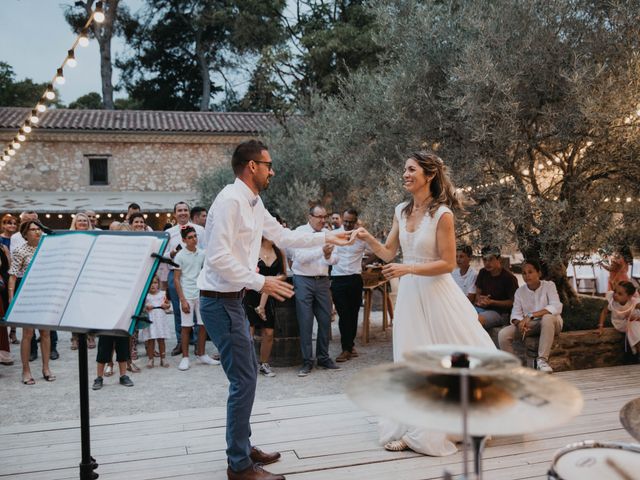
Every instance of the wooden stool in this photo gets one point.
(374, 280)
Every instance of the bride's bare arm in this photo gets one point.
(389, 250)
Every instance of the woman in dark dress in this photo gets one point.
(260, 308)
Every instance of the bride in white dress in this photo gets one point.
(430, 308)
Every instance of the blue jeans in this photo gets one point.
(313, 298)
(492, 318)
(226, 323)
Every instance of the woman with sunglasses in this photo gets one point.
(22, 256)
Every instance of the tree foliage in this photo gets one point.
(180, 46)
(533, 105)
(19, 93)
(91, 100)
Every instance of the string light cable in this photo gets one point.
(49, 94)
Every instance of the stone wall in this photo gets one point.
(53, 161)
(575, 350)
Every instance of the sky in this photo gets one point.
(34, 39)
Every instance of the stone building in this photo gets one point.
(106, 159)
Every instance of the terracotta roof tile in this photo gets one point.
(141, 120)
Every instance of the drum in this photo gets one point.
(596, 461)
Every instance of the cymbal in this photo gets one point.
(630, 418)
(440, 359)
(520, 401)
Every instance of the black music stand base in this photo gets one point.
(88, 463)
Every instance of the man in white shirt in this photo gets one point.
(182, 213)
(346, 286)
(310, 267)
(236, 222)
(199, 216)
(464, 275)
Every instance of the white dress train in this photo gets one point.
(429, 311)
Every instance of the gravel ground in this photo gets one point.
(167, 389)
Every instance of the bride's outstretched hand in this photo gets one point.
(395, 270)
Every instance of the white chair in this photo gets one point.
(585, 275)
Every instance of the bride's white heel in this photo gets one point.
(396, 446)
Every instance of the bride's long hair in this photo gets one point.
(442, 190)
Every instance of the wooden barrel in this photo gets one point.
(286, 336)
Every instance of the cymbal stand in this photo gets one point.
(464, 401)
(478, 447)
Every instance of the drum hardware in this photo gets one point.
(484, 389)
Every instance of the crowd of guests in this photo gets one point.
(534, 308)
(327, 281)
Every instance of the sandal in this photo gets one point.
(150, 363)
(28, 381)
(108, 370)
(49, 378)
(396, 446)
(132, 367)
(164, 363)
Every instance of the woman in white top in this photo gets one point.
(536, 311)
(430, 308)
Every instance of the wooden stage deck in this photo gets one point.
(320, 438)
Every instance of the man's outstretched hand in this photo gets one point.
(277, 288)
(341, 239)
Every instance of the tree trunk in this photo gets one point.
(203, 64)
(103, 33)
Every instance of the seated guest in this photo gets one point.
(464, 275)
(618, 268)
(536, 311)
(624, 305)
(494, 290)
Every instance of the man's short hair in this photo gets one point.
(186, 230)
(351, 211)
(134, 206)
(466, 249)
(180, 203)
(490, 250)
(197, 210)
(244, 153)
(313, 207)
(27, 212)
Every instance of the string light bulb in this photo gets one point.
(98, 14)
(49, 93)
(34, 116)
(2, 163)
(21, 136)
(6, 157)
(83, 39)
(27, 128)
(71, 59)
(11, 152)
(59, 78)
(41, 107)
(16, 145)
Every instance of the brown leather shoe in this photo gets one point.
(354, 353)
(343, 357)
(254, 472)
(258, 456)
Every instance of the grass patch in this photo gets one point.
(583, 314)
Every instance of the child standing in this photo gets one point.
(190, 260)
(157, 306)
(624, 306)
(106, 344)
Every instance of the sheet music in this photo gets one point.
(111, 283)
(45, 291)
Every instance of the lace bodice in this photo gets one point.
(419, 246)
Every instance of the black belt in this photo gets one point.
(315, 277)
(214, 294)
